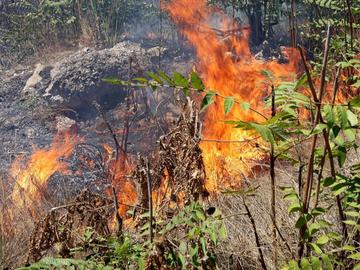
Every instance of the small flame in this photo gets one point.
(226, 64)
(118, 170)
(33, 175)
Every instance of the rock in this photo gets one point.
(76, 81)
(64, 123)
(33, 80)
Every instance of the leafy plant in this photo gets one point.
(186, 240)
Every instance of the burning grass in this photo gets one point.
(184, 169)
(177, 176)
(225, 63)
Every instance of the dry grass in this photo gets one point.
(239, 251)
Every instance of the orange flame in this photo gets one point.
(226, 64)
(118, 170)
(32, 176)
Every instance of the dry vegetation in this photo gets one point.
(261, 171)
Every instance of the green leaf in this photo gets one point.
(349, 248)
(266, 74)
(322, 240)
(335, 130)
(329, 115)
(341, 155)
(200, 215)
(315, 263)
(113, 81)
(318, 211)
(341, 113)
(228, 104)
(355, 256)
(182, 261)
(196, 82)
(352, 213)
(315, 247)
(166, 78)
(334, 236)
(264, 132)
(155, 77)
(292, 196)
(302, 220)
(193, 251)
(245, 106)
(305, 264)
(350, 222)
(301, 82)
(222, 232)
(352, 118)
(141, 80)
(319, 128)
(203, 245)
(293, 265)
(180, 80)
(207, 100)
(213, 237)
(339, 188)
(326, 262)
(295, 207)
(356, 84)
(183, 247)
(328, 181)
(350, 134)
(355, 102)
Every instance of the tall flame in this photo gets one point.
(226, 64)
(32, 176)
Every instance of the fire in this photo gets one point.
(32, 176)
(118, 171)
(226, 64)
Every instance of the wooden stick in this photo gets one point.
(149, 187)
(257, 238)
(273, 183)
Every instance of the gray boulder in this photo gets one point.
(75, 82)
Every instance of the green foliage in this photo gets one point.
(344, 45)
(50, 263)
(187, 240)
(28, 26)
(283, 131)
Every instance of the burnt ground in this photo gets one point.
(37, 102)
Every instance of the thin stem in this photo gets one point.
(149, 188)
(257, 238)
(273, 183)
(310, 171)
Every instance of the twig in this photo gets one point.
(310, 171)
(273, 183)
(230, 141)
(285, 242)
(149, 187)
(323, 157)
(257, 239)
(309, 181)
(118, 148)
(155, 84)
(350, 18)
(102, 114)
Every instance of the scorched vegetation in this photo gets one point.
(257, 162)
